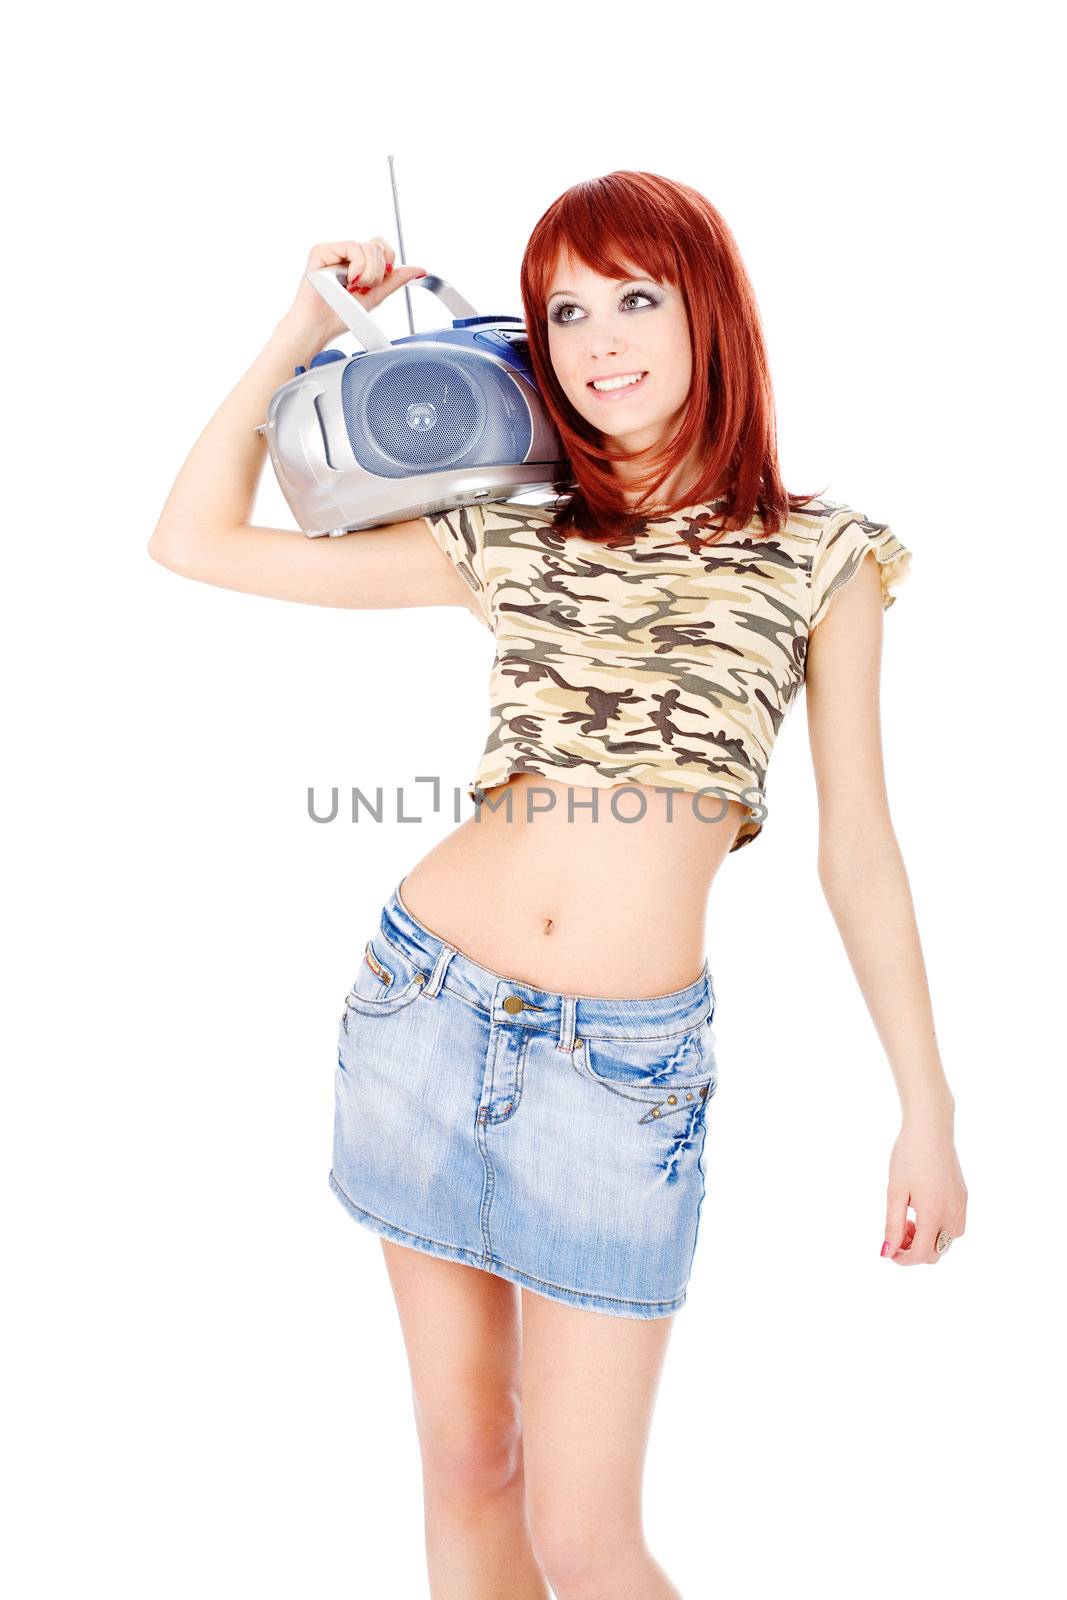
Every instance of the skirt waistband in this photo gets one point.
(505, 998)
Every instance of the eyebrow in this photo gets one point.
(634, 278)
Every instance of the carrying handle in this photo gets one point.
(330, 284)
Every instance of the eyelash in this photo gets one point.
(631, 294)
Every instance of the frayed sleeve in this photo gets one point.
(844, 542)
(460, 533)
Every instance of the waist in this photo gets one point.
(544, 1007)
(565, 896)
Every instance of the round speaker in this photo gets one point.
(416, 412)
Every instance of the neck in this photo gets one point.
(675, 487)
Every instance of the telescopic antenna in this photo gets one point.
(400, 242)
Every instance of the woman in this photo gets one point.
(527, 1052)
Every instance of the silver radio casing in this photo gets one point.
(331, 492)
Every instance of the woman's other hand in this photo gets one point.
(371, 277)
(924, 1171)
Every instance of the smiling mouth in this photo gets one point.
(618, 389)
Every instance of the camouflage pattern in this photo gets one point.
(654, 657)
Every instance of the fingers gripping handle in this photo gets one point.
(330, 283)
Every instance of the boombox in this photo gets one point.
(413, 425)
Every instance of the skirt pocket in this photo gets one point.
(664, 1076)
(388, 980)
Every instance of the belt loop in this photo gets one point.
(567, 1017)
(440, 966)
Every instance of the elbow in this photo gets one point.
(846, 864)
(161, 547)
(172, 550)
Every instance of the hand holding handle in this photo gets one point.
(330, 284)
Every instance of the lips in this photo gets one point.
(603, 377)
(617, 394)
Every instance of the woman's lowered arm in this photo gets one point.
(865, 882)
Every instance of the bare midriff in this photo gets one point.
(539, 887)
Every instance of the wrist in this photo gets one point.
(300, 336)
(935, 1107)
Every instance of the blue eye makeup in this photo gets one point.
(556, 313)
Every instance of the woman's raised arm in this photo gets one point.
(204, 530)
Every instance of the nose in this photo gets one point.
(608, 342)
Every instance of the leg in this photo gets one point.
(463, 1339)
(589, 1386)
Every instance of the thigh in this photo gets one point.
(462, 1332)
(589, 1384)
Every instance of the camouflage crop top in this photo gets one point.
(652, 658)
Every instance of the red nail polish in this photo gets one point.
(388, 266)
(885, 1248)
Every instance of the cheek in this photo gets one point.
(673, 335)
(676, 354)
(558, 358)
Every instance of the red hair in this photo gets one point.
(638, 219)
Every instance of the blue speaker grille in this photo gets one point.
(413, 411)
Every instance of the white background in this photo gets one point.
(207, 1389)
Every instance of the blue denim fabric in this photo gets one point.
(553, 1139)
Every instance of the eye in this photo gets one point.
(568, 305)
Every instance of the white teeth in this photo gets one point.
(617, 383)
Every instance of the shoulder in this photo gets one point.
(482, 519)
(815, 530)
(848, 536)
(806, 528)
(500, 518)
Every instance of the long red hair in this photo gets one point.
(669, 230)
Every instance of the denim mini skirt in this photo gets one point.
(555, 1140)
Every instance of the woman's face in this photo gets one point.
(597, 328)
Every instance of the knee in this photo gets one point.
(470, 1456)
(583, 1548)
